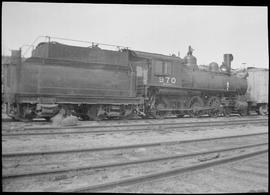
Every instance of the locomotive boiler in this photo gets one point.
(95, 83)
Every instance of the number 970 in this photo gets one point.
(169, 80)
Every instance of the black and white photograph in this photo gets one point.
(134, 98)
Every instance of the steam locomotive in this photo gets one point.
(95, 83)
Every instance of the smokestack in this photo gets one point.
(227, 61)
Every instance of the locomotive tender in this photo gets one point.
(95, 83)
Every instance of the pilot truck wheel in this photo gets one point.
(263, 109)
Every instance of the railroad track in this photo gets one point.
(164, 174)
(128, 127)
(32, 153)
(201, 160)
(43, 121)
(126, 147)
(28, 168)
(30, 174)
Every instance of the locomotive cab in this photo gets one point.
(156, 69)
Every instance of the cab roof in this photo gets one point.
(147, 55)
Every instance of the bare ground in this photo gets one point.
(249, 175)
(75, 141)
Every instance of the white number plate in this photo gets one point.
(167, 80)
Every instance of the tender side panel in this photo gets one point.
(29, 78)
(52, 78)
(10, 83)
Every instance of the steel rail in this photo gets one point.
(124, 146)
(110, 165)
(164, 174)
(7, 120)
(169, 126)
(136, 124)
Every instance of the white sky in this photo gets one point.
(166, 29)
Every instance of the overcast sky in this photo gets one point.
(165, 29)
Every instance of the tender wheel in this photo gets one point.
(214, 113)
(226, 112)
(263, 109)
(160, 115)
(92, 112)
(244, 112)
(180, 115)
(47, 118)
(24, 113)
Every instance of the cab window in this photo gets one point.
(167, 69)
(158, 67)
(163, 68)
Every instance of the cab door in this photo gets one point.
(141, 69)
